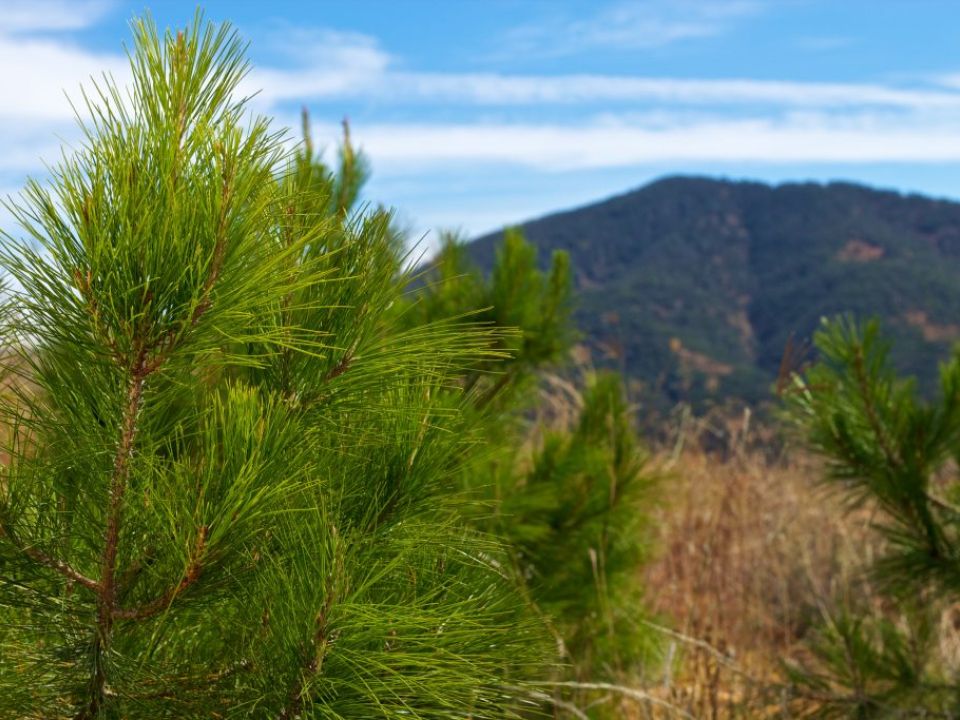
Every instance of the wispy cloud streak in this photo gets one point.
(50, 15)
(494, 89)
(628, 25)
(401, 147)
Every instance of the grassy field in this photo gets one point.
(752, 554)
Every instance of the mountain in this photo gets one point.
(697, 286)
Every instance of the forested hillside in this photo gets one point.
(695, 286)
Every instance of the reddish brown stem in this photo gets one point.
(163, 602)
(339, 369)
(61, 567)
(318, 651)
(107, 595)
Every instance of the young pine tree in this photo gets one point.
(530, 307)
(576, 512)
(896, 453)
(570, 498)
(228, 480)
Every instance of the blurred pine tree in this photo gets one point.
(570, 495)
(887, 449)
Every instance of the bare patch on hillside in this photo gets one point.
(857, 250)
(585, 282)
(691, 360)
(740, 320)
(931, 331)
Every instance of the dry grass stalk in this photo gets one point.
(751, 552)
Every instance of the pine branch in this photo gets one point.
(320, 645)
(491, 393)
(219, 247)
(143, 366)
(107, 587)
(917, 511)
(42, 558)
(162, 231)
(61, 567)
(866, 395)
(192, 574)
(339, 369)
(160, 350)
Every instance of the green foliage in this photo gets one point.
(576, 514)
(532, 309)
(885, 445)
(229, 476)
(571, 499)
(866, 665)
(887, 448)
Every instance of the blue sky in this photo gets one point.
(479, 113)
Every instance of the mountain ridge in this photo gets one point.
(696, 285)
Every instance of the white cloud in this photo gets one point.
(337, 65)
(947, 80)
(41, 71)
(40, 15)
(40, 68)
(495, 89)
(628, 25)
(647, 120)
(406, 148)
(734, 119)
(328, 64)
(25, 146)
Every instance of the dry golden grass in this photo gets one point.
(749, 549)
(751, 552)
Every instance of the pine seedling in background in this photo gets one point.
(537, 305)
(890, 450)
(227, 478)
(577, 517)
(571, 499)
